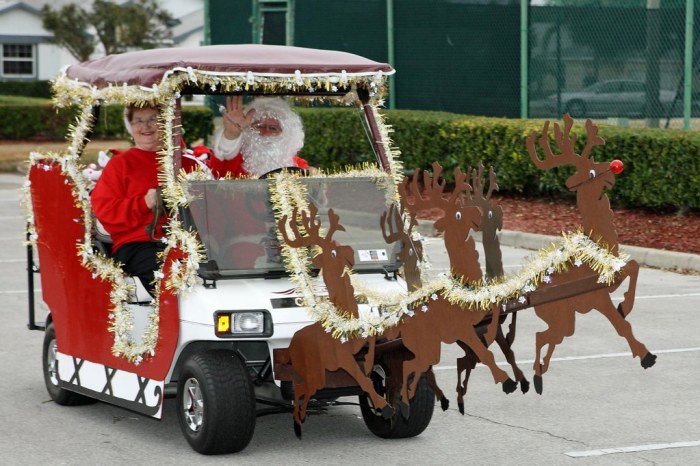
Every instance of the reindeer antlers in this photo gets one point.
(434, 187)
(312, 226)
(565, 141)
(393, 221)
(478, 182)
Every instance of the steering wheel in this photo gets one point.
(291, 169)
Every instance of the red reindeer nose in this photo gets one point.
(616, 166)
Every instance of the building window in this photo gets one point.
(17, 60)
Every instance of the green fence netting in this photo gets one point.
(624, 61)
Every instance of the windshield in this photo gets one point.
(236, 225)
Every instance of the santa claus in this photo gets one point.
(264, 137)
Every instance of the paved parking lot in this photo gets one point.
(598, 407)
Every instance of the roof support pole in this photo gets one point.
(363, 94)
(524, 45)
(390, 49)
(688, 63)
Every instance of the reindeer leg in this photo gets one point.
(408, 371)
(631, 270)
(560, 319)
(486, 357)
(439, 395)
(494, 326)
(505, 346)
(348, 363)
(369, 357)
(299, 409)
(466, 364)
(510, 336)
(624, 329)
(413, 368)
(540, 341)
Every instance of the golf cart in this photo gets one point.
(227, 295)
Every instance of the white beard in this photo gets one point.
(264, 154)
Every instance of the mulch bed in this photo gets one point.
(635, 227)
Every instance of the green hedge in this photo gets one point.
(23, 119)
(662, 167)
(26, 88)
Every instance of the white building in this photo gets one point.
(26, 50)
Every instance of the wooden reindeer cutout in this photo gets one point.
(589, 182)
(313, 351)
(411, 250)
(410, 255)
(491, 223)
(424, 332)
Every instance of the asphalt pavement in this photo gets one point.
(598, 407)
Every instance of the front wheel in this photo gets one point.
(58, 394)
(216, 403)
(420, 409)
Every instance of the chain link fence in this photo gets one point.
(623, 61)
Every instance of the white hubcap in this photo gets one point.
(51, 362)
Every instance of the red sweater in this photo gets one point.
(118, 198)
(219, 167)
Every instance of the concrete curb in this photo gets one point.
(647, 257)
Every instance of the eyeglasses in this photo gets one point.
(269, 128)
(153, 121)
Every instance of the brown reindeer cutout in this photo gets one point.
(424, 332)
(411, 250)
(491, 223)
(491, 220)
(313, 351)
(410, 255)
(589, 182)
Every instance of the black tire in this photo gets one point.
(216, 403)
(58, 394)
(576, 108)
(420, 410)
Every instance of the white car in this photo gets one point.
(613, 98)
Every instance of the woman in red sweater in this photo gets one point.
(125, 195)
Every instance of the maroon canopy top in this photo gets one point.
(147, 67)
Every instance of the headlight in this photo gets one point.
(242, 323)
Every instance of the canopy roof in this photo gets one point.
(149, 67)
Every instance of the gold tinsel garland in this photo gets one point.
(286, 192)
(69, 91)
(182, 278)
(574, 249)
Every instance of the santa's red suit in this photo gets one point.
(234, 166)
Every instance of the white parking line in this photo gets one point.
(580, 358)
(665, 296)
(632, 449)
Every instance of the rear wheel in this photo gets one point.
(58, 394)
(420, 409)
(216, 403)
